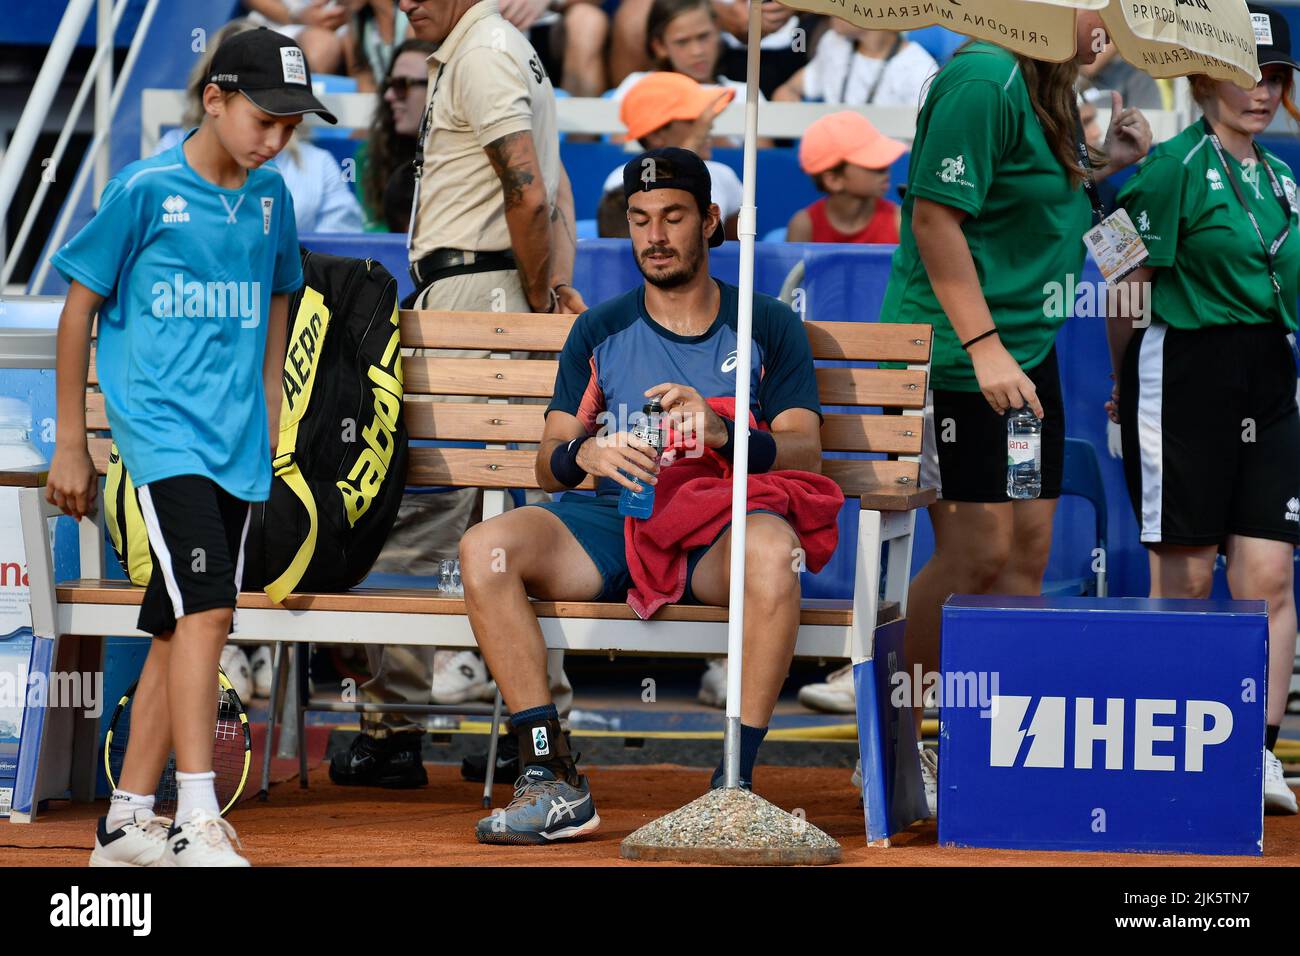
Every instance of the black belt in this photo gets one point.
(443, 263)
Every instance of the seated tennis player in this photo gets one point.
(674, 337)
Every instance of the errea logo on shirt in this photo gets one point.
(174, 209)
(1293, 510)
(1214, 179)
(954, 168)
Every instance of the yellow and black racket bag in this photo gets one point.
(340, 464)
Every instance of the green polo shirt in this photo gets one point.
(979, 148)
(1212, 269)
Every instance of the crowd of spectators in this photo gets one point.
(671, 65)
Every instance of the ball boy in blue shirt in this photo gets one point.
(189, 263)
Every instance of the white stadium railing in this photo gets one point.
(598, 116)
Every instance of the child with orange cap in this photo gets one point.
(671, 109)
(849, 160)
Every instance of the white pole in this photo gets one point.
(39, 101)
(103, 90)
(101, 136)
(747, 231)
(56, 157)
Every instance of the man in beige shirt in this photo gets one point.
(492, 230)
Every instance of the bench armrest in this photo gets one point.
(899, 500)
(30, 476)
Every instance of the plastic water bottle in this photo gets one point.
(641, 504)
(1024, 454)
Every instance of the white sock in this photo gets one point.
(122, 806)
(195, 791)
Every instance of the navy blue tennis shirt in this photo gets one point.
(615, 351)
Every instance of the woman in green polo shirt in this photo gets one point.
(993, 220)
(1206, 386)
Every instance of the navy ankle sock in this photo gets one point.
(534, 714)
(750, 740)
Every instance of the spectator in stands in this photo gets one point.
(493, 231)
(671, 109)
(570, 37)
(322, 199)
(681, 322)
(994, 214)
(1110, 71)
(1205, 379)
(859, 67)
(384, 161)
(683, 36)
(319, 27)
(785, 40)
(849, 160)
(375, 32)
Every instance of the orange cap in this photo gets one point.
(663, 96)
(846, 136)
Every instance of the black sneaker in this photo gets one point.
(392, 762)
(474, 767)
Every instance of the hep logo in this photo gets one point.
(1204, 723)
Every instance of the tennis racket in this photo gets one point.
(232, 750)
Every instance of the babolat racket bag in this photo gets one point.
(340, 464)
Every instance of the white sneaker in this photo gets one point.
(140, 843)
(1278, 797)
(459, 676)
(263, 669)
(930, 777)
(713, 685)
(203, 840)
(834, 696)
(235, 663)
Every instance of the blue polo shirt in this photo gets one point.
(187, 270)
(615, 351)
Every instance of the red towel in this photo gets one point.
(693, 504)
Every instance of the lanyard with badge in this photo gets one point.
(1270, 249)
(1113, 241)
(871, 93)
(426, 121)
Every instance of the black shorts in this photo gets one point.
(196, 540)
(1211, 434)
(964, 453)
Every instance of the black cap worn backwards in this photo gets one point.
(1272, 36)
(270, 70)
(671, 167)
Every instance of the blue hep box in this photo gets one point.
(1116, 724)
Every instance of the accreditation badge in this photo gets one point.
(1115, 246)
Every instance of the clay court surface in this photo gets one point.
(327, 825)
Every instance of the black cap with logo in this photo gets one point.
(270, 70)
(671, 167)
(1272, 36)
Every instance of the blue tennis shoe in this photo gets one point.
(545, 809)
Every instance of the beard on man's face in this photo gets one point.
(689, 261)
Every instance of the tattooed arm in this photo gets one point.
(528, 214)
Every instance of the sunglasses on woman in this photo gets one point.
(401, 85)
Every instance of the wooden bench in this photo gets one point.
(72, 619)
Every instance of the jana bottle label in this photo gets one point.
(1023, 449)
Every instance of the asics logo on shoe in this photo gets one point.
(174, 209)
(560, 807)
